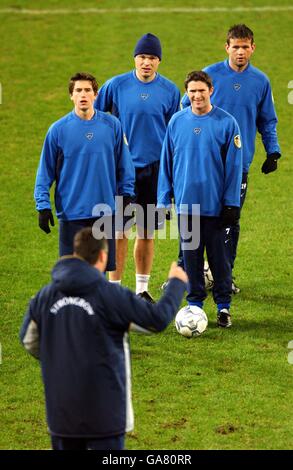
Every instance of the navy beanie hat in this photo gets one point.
(148, 44)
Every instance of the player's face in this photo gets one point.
(146, 66)
(239, 51)
(83, 96)
(200, 97)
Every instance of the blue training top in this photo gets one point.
(144, 110)
(202, 162)
(90, 163)
(248, 97)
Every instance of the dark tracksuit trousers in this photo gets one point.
(68, 229)
(212, 239)
(232, 233)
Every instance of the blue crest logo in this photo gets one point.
(197, 130)
(237, 86)
(144, 96)
(89, 135)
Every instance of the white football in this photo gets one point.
(191, 321)
(208, 277)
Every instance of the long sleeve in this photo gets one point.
(165, 183)
(128, 309)
(267, 121)
(104, 100)
(125, 167)
(233, 167)
(175, 105)
(46, 171)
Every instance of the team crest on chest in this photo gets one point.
(89, 135)
(237, 86)
(144, 96)
(197, 130)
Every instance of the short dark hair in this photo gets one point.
(239, 31)
(82, 76)
(198, 76)
(87, 246)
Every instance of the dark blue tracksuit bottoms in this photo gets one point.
(212, 239)
(68, 229)
(232, 233)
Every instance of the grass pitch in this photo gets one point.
(227, 389)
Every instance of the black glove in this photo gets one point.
(270, 164)
(229, 215)
(46, 216)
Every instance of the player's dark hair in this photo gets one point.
(87, 246)
(85, 77)
(198, 76)
(239, 31)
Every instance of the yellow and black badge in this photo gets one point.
(237, 141)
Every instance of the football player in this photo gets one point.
(202, 163)
(85, 154)
(245, 92)
(144, 101)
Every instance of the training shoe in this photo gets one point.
(235, 289)
(165, 284)
(224, 318)
(146, 296)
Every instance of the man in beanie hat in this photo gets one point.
(144, 101)
(148, 44)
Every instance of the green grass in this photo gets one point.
(226, 389)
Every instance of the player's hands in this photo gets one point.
(270, 164)
(46, 216)
(229, 215)
(177, 272)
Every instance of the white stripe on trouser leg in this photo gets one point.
(129, 409)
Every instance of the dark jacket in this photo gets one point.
(78, 327)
